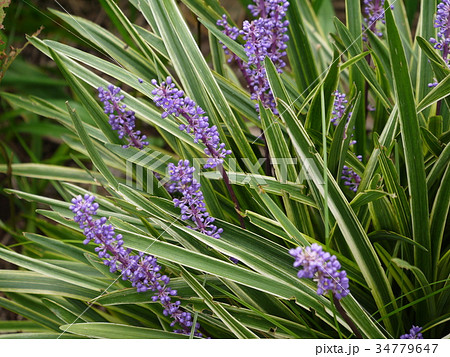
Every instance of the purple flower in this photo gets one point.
(414, 334)
(265, 36)
(174, 102)
(442, 41)
(374, 14)
(191, 203)
(340, 105)
(231, 32)
(350, 177)
(322, 268)
(140, 269)
(121, 119)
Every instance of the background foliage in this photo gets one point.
(391, 236)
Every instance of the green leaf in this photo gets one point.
(267, 184)
(272, 325)
(425, 29)
(294, 234)
(439, 167)
(279, 152)
(62, 312)
(439, 217)
(51, 270)
(53, 172)
(46, 109)
(438, 93)
(269, 266)
(238, 99)
(34, 283)
(110, 46)
(409, 126)
(153, 40)
(113, 331)
(329, 86)
(346, 219)
(28, 312)
(3, 4)
(355, 27)
(350, 62)
(93, 153)
(276, 84)
(232, 45)
(397, 273)
(299, 51)
(231, 322)
(89, 103)
(386, 139)
(342, 136)
(381, 56)
(195, 74)
(58, 246)
(366, 197)
(385, 235)
(398, 196)
(142, 110)
(38, 336)
(226, 270)
(19, 326)
(422, 280)
(117, 13)
(431, 142)
(354, 50)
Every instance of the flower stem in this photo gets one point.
(226, 179)
(347, 318)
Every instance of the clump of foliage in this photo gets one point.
(305, 195)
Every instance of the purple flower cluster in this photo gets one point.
(339, 107)
(140, 269)
(350, 178)
(264, 36)
(414, 334)
(173, 101)
(233, 33)
(191, 203)
(442, 41)
(323, 268)
(374, 14)
(121, 119)
(442, 22)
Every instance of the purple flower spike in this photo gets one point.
(340, 104)
(140, 269)
(442, 40)
(374, 14)
(350, 177)
(414, 334)
(191, 203)
(121, 119)
(173, 101)
(265, 37)
(231, 32)
(323, 268)
(442, 23)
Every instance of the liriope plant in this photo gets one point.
(302, 190)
